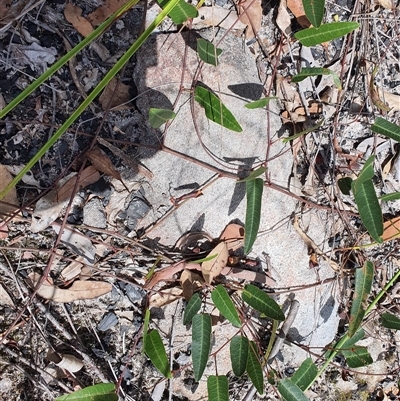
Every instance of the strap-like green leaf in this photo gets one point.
(201, 343)
(157, 117)
(367, 172)
(208, 52)
(357, 356)
(259, 104)
(314, 10)
(155, 350)
(364, 276)
(290, 392)
(305, 374)
(260, 301)
(192, 308)
(254, 174)
(254, 369)
(314, 71)
(254, 190)
(98, 392)
(224, 304)
(217, 388)
(215, 109)
(239, 348)
(390, 321)
(181, 12)
(325, 33)
(386, 128)
(390, 197)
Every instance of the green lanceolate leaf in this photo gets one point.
(254, 174)
(363, 285)
(390, 321)
(181, 12)
(201, 342)
(386, 128)
(367, 171)
(260, 301)
(314, 10)
(217, 388)
(390, 197)
(224, 304)
(290, 392)
(259, 104)
(215, 109)
(158, 117)
(239, 348)
(359, 335)
(192, 308)
(155, 350)
(325, 33)
(98, 392)
(357, 356)
(254, 190)
(314, 71)
(208, 52)
(254, 369)
(305, 374)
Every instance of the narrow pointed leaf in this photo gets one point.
(254, 369)
(254, 174)
(217, 388)
(390, 321)
(357, 356)
(155, 350)
(386, 128)
(359, 335)
(145, 327)
(192, 308)
(325, 33)
(367, 172)
(305, 374)
(181, 12)
(208, 52)
(290, 392)
(390, 197)
(215, 109)
(224, 304)
(239, 348)
(260, 301)
(158, 117)
(315, 71)
(260, 103)
(314, 10)
(201, 343)
(363, 285)
(254, 190)
(98, 392)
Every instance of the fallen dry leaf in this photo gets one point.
(283, 18)
(10, 197)
(190, 282)
(250, 13)
(70, 362)
(391, 229)
(297, 9)
(388, 4)
(73, 14)
(79, 289)
(5, 299)
(233, 235)
(104, 11)
(3, 229)
(165, 297)
(218, 16)
(214, 267)
(115, 96)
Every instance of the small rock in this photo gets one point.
(109, 320)
(94, 214)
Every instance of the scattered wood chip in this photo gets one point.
(10, 197)
(73, 14)
(115, 96)
(212, 268)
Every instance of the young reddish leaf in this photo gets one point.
(390, 321)
(363, 286)
(290, 391)
(191, 309)
(217, 388)
(239, 349)
(98, 392)
(155, 350)
(225, 305)
(201, 343)
(305, 374)
(208, 52)
(213, 267)
(254, 190)
(254, 369)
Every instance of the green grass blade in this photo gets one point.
(239, 350)
(254, 190)
(314, 10)
(390, 321)
(254, 174)
(325, 33)
(158, 117)
(386, 128)
(217, 388)
(363, 287)
(98, 392)
(155, 350)
(262, 302)
(290, 392)
(192, 308)
(208, 52)
(201, 343)
(260, 103)
(315, 71)
(224, 304)
(182, 12)
(305, 374)
(254, 369)
(96, 91)
(357, 357)
(215, 109)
